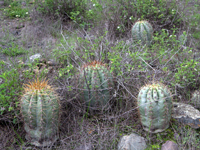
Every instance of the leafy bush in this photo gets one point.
(122, 14)
(15, 10)
(66, 9)
(13, 50)
(11, 89)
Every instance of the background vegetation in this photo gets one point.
(72, 33)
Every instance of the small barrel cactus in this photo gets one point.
(40, 110)
(96, 82)
(195, 100)
(155, 106)
(142, 30)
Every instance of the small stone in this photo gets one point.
(132, 142)
(186, 114)
(23, 3)
(169, 145)
(86, 146)
(33, 58)
(52, 62)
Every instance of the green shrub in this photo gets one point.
(11, 88)
(187, 73)
(65, 9)
(122, 14)
(13, 50)
(16, 11)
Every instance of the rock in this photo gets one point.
(33, 58)
(86, 146)
(52, 62)
(1, 3)
(132, 142)
(169, 145)
(186, 114)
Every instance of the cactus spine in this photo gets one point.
(155, 105)
(195, 100)
(96, 83)
(40, 110)
(142, 30)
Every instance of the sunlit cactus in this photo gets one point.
(96, 83)
(40, 110)
(155, 106)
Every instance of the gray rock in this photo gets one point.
(169, 145)
(52, 62)
(33, 58)
(86, 146)
(1, 3)
(186, 114)
(132, 142)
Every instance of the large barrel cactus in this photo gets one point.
(195, 100)
(96, 84)
(40, 110)
(142, 30)
(155, 106)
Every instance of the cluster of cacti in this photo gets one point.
(96, 83)
(40, 110)
(155, 106)
(142, 30)
(195, 99)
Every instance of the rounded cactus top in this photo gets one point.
(93, 64)
(37, 85)
(155, 85)
(143, 22)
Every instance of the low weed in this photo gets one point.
(11, 88)
(15, 10)
(13, 50)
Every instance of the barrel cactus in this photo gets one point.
(195, 100)
(40, 110)
(96, 84)
(142, 30)
(155, 106)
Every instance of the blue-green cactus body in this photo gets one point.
(40, 110)
(142, 30)
(96, 83)
(155, 105)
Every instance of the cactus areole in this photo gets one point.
(96, 84)
(40, 110)
(142, 30)
(155, 106)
